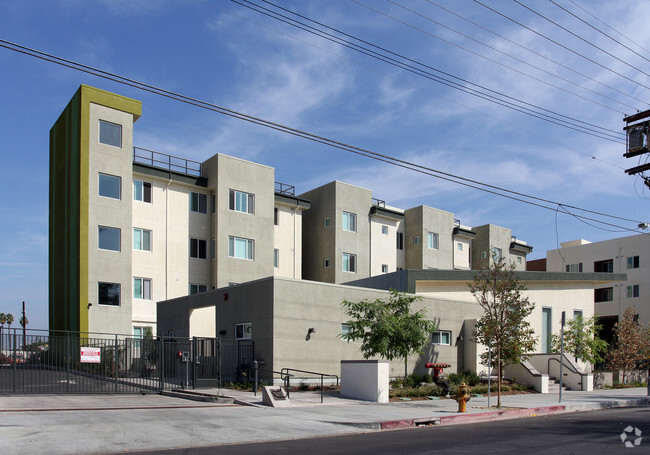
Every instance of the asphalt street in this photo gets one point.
(591, 432)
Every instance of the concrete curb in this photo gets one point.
(507, 414)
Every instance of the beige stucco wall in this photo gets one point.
(287, 238)
(103, 265)
(462, 258)
(383, 247)
(618, 250)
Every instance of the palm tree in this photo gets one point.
(3, 319)
(9, 319)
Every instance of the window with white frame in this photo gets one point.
(141, 239)
(241, 248)
(108, 293)
(240, 201)
(459, 247)
(384, 268)
(519, 260)
(142, 191)
(244, 331)
(346, 329)
(110, 133)
(197, 288)
(432, 240)
(442, 337)
(349, 262)
(142, 288)
(384, 229)
(198, 248)
(108, 238)
(577, 314)
(110, 186)
(633, 262)
(349, 222)
(276, 258)
(633, 291)
(198, 202)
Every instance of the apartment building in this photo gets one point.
(626, 255)
(130, 227)
(349, 235)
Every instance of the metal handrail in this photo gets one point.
(167, 162)
(322, 375)
(284, 188)
(283, 376)
(571, 367)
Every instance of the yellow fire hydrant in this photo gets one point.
(462, 397)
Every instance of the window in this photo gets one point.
(196, 288)
(497, 254)
(416, 240)
(606, 266)
(242, 202)
(141, 239)
(241, 248)
(349, 222)
(244, 331)
(574, 267)
(432, 240)
(384, 230)
(577, 314)
(384, 268)
(633, 262)
(108, 238)
(198, 248)
(633, 291)
(326, 222)
(276, 258)
(345, 331)
(141, 191)
(483, 254)
(110, 133)
(400, 240)
(349, 262)
(142, 288)
(604, 295)
(213, 249)
(441, 337)
(198, 202)
(137, 336)
(213, 203)
(519, 260)
(276, 214)
(459, 247)
(109, 294)
(326, 263)
(546, 330)
(110, 186)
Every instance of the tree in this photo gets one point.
(10, 319)
(631, 343)
(387, 327)
(3, 320)
(503, 325)
(581, 340)
(23, 321)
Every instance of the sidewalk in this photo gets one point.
(58, 424)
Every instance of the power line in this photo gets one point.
(611, 28)
(520, 60)
(491, 189)
(493, 96)
(581, 38)
(598, 30)
(539, 54)
(561, 45)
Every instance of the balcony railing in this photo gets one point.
(283, 188)
(167, 162)
(378, 202)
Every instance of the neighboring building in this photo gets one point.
(625, 255)
(130, 227)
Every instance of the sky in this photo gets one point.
(227, 54)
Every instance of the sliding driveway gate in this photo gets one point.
(67, 362)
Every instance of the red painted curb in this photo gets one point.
(393, 424)
(498, 415)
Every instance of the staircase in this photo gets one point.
(554, 385)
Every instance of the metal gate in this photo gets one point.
(71, 362)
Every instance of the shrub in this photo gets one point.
(468, 377)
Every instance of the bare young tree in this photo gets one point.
(632, 343)
(503, 325)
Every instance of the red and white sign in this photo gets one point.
(90, 355)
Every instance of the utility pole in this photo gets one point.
(24, 324)
(637, 127)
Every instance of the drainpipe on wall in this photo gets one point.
(167, 234)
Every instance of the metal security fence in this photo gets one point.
(70, 362)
